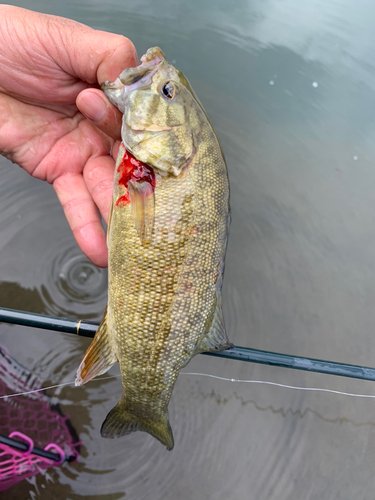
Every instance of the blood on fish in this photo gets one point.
(122, 201)
(131, 169)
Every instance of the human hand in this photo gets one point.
(50, 71)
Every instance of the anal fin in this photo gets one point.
(99, 357)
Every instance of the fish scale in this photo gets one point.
(166, 245)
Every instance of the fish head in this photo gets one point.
(159, 113)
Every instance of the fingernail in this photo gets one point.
(92, 106)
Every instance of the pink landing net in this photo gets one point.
(33, 420)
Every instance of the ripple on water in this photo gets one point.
(40, 255)
(73, 284)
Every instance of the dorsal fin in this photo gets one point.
(215, 338)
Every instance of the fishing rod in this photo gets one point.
(87, 329)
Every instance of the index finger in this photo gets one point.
(83, 217)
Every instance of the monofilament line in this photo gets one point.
(264, 382)
(35, 390)
(47, 388)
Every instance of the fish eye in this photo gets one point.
(169, 90)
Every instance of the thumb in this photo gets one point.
(91, 55)
(59, 55)
(94, 105)
(98, 56)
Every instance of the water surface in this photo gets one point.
(289, 88)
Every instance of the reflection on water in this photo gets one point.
(289, 89)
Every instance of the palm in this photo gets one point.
(44, 138)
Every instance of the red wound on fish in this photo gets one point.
(123, 200)
(131, 169)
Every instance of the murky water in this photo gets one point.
(289, 87)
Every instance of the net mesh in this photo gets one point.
(36, 420)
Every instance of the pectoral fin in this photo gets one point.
(99, 357)
(142, 202)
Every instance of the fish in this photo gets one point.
(167, 237)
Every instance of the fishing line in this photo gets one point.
(35, 390)
(49, 387)
(264, 382)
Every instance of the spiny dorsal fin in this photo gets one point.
(99, 357)
(142, 202)
(120, 422)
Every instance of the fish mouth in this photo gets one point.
(124, 84)
(149, 131)
(117, 92)
(138, 77)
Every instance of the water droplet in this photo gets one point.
(355, 158)
(173, 61)
(272, 82)
(314, 84)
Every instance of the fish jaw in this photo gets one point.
(115, 92)
(133, 78)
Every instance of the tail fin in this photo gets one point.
(120, 422)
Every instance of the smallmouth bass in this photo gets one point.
(167, 236)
